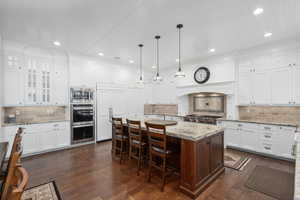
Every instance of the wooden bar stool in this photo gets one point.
(120, 143)
(8, 181)
(18, 183)
(159, 153)
(15, 147)
(136, 142)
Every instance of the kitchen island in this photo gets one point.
(201, 153)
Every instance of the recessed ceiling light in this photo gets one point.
(258, 11)
(177, 60)
(268, 34)
(56, 43)
(212, 50)
(131, 61)
(101, 54)
(153, 67)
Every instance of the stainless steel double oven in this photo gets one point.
(82, 115)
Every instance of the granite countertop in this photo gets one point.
(259, 122)
(29, 123)
(187, 130)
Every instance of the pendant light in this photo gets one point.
(179, 73)
(157, 76)
(140, 81)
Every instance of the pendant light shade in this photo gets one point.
(179, 73)
(157, 77)
(141, 81)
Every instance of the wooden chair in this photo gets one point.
(158, 151)
(18, 183)
(9, 179)
(15, 147)
(120, 143)
(136, 142)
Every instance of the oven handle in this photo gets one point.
(90, 108)
(82, 125)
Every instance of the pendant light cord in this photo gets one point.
(141, 62)
(179, 26)
(157, 54)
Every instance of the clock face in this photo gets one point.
(201, 75)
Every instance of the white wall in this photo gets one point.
(1, 82)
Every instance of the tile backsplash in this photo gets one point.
(34, 114)
(160, 109)
(280, 114)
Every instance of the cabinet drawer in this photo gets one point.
(268, 136)
(266, 147)
(268, 128)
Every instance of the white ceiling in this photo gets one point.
(116, 27)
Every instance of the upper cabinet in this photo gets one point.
(13, 79)
(296, 83)
(269, 83)
(281, 85)
(32, 79)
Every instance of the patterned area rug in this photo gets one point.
(47, 191)
(235, 161)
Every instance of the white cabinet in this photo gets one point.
(232, 137)
(38, 81)
(254, 87)
(60, 83)
(260, 87)
(40, 137)
(13, 80)
(31, 79)
(273, 80)
(30, 143)
(245, 88)
(281, 85)
(63, 136)
(104, 129)
(296, 84)
(271, 140)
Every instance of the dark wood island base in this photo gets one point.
(202, 162)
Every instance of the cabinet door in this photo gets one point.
(60, 83)
(203, 151)
(104, 128)
(283, 143)
(261, 88)
(31, 82)
(245, 88)
(30, 143)
(232, 137)
(281, 85)
(13, 80)
(47, 140)
(249, 139)
(216, 152)
(63, 136)
(296, 84)
(46, 82)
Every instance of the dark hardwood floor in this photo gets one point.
(90, 173)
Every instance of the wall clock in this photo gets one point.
(202, 75)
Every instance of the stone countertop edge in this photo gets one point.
(24, 124)
(185, 137)
(258, 122)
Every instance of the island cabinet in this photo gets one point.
(202, 161)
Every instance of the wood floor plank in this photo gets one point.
(90, 173)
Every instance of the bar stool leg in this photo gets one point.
(164, 175)
(139, 160)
